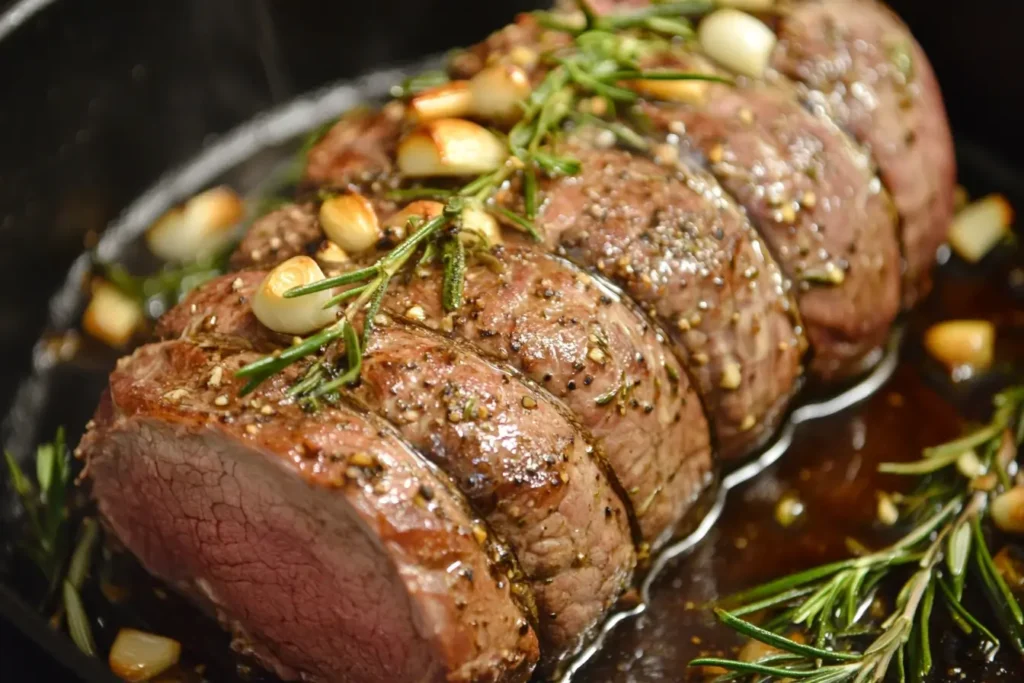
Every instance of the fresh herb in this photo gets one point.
(419, 83)
(78, 622)
(45, 506)
(668, 18)
(647, 17)
(454, 259)
(162, 290)
(946, 547)
(594, 64)
(46, 542)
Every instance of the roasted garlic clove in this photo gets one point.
(112, 316)
(200, 227)
(350, 221)
(296, 315)
(450, 147)
(737, 41)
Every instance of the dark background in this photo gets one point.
(98, 98)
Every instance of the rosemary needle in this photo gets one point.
(595, 64)
(946, 546)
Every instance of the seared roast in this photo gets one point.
(517, 455)
(322, 539)
(480, 498)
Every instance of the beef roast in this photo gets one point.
(307, 534)
(457, 500)
(577, 337)
(859, 64)
(524, 465)
(672, 239)
(812, 196)
(682, 249)
(284, 232)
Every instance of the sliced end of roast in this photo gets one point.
(307, 535)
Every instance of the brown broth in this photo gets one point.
(831, 470)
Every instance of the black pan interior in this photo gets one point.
(102, 98)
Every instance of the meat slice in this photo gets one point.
(674, 241)
(859, 63)
(357, 149)
(307, 534)
(285, 232)
(516, 454)
(685, 252)
(585, 343)
(814, 200)
(582, 341)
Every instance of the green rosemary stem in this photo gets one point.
(593, 65)
(349, 278)
(638, 18)
(946, 544)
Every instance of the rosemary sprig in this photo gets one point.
(946, 546)
(668, 18)
(419, 83)
(162, 290)
(644, 17)
(44, 504)
(594, 65)
(46, 541)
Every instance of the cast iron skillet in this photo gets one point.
(101, 98)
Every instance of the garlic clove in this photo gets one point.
(523, 56)
(498, 92)
(418, 212)
(450, 147)
(140, 656)
(737, 41)
(479, 225)
(112, 316)
(980, 226)
(962, 343)
(297, 315)
(451, 100)
(199, 228)
(330, 254)
(685, 92)
(1008, 510)
(350, 221)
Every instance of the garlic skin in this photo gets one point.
(201, 227)
(737, 41)
(451, 100)
(112, 316)
(978, 227)
(349, 220)
(298, 315)
(477, 224)
(498, 91)
(962, 343)
(450, 148)
(140, 656)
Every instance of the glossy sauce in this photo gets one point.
(831, 470)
